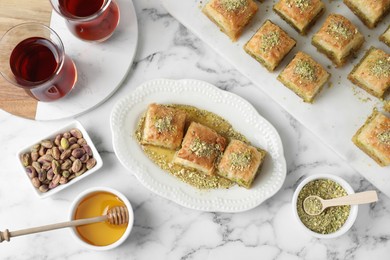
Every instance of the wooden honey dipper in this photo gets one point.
(116, 216)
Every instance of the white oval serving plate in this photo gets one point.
(243, 117)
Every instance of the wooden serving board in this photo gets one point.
(12, 99)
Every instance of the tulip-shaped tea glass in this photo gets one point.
(32, 57)
(89, 20)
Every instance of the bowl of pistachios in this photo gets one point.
(59, 159)
(331, 222)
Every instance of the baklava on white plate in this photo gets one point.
(164, 126)
(200, 148)
(240, 163)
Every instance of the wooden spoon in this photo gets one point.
(116, 216)
(314, 205)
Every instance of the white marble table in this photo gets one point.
(164, 230)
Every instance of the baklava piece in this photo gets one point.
(386, 105)
(338, 39)
(200, 148)
(164, 126)
(269, 45)
(385, 37)
(372, 73)
(300, 14)
(240, 163)
(373, 138)
(231, 16)
(304, 76)
(370, 12)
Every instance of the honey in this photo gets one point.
(102, 233)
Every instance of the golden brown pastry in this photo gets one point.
(304, 76)
(164, 126)
(200, 148)
(300, 14)
(373, 138)
(385, 37)
(370, 12)
(269, 45)
(372, 73)
(338, 39)
(231, 16)
(240, 163)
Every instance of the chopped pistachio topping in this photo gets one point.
(240, 161)
(202, 149)
(381, 67)
(302, 5)
(164, 124)
(269, 40)
(234, 5)
(306, 70)
(384, 137)
(339, 30)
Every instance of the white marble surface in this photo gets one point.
(164, 230)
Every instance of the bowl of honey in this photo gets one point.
(96, 202)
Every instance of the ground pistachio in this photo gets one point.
(332, 218)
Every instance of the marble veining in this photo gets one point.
(163, 229)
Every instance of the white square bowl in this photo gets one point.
(66, 128)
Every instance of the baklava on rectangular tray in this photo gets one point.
(338, 39)
(231, 16)
(200, 148)
(386, 105)
(300, 14)
(164, 126)
(370, 12)
(385, 37)
(269, 45)
(304, 76)
(372, 73)
(240, 163)
(373, 138)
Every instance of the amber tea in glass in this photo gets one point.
(89, 20)
(33, 58)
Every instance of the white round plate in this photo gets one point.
(233, 108)
(101, 67)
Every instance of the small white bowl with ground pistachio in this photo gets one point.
(333, 221)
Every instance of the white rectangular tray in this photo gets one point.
(337, 112)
